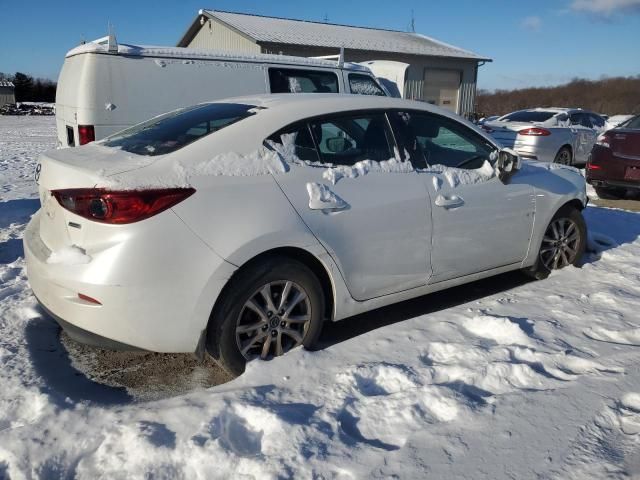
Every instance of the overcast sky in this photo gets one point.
(544, 42)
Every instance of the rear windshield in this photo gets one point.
(525, 116)
(172, 131)
(633, 123)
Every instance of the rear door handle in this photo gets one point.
(449, 202)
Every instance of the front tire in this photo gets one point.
(564, 156)
(563, 243)
(268, 309)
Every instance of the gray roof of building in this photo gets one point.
(302, 32)
(6, 84)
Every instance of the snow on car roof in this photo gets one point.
(100, 46)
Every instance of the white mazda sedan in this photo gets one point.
(238, 227)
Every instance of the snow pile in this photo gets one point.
(71, 255)
(260, 162)
(609, 446)
(231, 164)
(460, 176)
(321, 197)
(629, 336)
(359, 169)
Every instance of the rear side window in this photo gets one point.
(300, 136)
(580, 119)
(364, 85)
(346, 140)
(291, 80)
(172, 131)
(596, 120)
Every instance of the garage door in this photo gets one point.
(442, 88)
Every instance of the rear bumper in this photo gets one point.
(86, 337)
(605, 169)
(614, 184)
(154, 296)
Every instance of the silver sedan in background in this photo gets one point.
(559, 135)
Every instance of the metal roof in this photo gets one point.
(264, 29)
(6, 84)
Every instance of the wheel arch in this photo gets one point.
(295, 253)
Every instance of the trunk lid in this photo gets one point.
(506, 133)
(626, 142)
(82, 167)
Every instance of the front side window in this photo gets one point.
(292, 80)
(360, 84)
(346, 140)
(443, 141)
(175, 130)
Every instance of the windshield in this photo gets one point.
(173, 131)
(528, 116)
(633, 123)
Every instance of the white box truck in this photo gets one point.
(105, 87)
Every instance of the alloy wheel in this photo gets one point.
(564, 157)
(560, 244)
(273, 320)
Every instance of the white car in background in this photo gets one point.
(559, 135)
(617, 120)
(238, 227)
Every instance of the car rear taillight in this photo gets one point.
(535, 132)
(604, 140)
(119, 207)
(86, 134)
(591, 166)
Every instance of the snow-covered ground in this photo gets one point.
(539, 380)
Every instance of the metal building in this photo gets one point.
(7, 93)
(437, 73)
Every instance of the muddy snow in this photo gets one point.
(529, 379)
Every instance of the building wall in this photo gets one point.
(414, 87)
(214, 35)
(7, 95)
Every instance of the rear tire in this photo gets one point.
(607, 193)
(563, 244)
(246, 320)
(564, 156)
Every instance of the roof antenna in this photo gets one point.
(413, 22)
(325, 19)
(112, 44)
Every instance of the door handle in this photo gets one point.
(449, 202)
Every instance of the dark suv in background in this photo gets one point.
(614, 163)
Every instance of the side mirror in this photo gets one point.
(508, 163)
(338, 144)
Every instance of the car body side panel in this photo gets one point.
(249, 215)
(376, 257)
(553, 189)
(490, 229)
